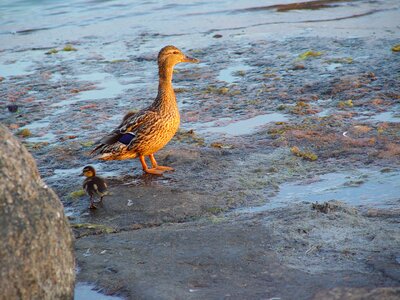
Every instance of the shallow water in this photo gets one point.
(240, 127)
(232, 73)
(35, 23)
(387, 116)
(107, 86)
(361, 188)
(16, 68)
(77, 171)
(84, 291)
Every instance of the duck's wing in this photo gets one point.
(120, 138)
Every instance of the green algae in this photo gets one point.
(87, 144)
(302, 108)
(240, 73)
(340, 60)
(25, 132)
(100, 227)
(223, 90)
(216, 220)
(347, 103)
(396, 48)
(69, 48)
(211, 89)
(188, 137)
(52, 51)
(221, 145)
(308, 54)
(215, 210)
(235, 92)
(253, 102)
(180, 90)
(77, 194)
(308, 155)
(36, 146)
(270, 75)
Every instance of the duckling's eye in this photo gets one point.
(176, 52)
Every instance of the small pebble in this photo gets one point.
(298, 67)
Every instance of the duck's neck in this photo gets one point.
(165, 100)
(165, 71)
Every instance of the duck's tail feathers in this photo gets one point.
(108, 140)
(111, 138)
(115, 141)
(93, 152)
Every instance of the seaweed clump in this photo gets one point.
(25, 132)
(69, 47)
(309, 53)
(308, 155)
(396, 48)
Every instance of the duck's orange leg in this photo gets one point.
(156, 166)
(146, 169)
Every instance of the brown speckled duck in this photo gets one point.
(145, 132)
(93, 185)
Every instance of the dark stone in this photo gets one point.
(298, 67)
(217, 36)
(36, 245)
(12, 108)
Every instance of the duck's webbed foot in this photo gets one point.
(153, 171)
(164, 168)
(156, 166)
(148, 170)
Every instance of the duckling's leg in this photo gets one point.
(146, 169)
(91, 203)
(156, 166)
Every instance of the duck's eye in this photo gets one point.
(175, 52)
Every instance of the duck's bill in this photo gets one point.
(81, 174)
(190, 60)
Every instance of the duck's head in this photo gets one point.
(170, 56)
(88, 171)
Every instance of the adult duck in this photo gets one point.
(143, 133)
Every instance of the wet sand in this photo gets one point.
(287, 161)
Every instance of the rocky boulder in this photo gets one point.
(36, 244)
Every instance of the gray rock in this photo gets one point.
(387, 293)
(36, 244)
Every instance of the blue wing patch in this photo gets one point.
(127, 138)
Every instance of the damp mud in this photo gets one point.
(286, 181)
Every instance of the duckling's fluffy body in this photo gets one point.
(149, 130)
(93, 185)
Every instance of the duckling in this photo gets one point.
(93, 185)
(145, 132)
